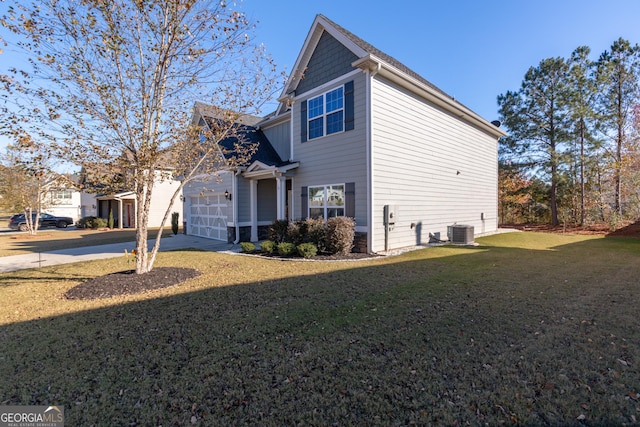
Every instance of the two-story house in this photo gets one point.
(356, 133)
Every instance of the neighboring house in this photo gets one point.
(122, 204)
(358, 134)
(63, 198)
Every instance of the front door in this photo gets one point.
(128, 215)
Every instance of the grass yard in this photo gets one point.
(49, 239)
(526, 329)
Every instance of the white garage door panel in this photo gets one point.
(209, 217)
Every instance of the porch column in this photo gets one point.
(120, 216)
(281, 196)
(253, 195)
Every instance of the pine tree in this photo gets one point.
(536, 119)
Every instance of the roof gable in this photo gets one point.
(376, 61)
(330, 60)
(319, 26)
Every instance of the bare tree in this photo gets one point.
(25, 173)
(112, 82)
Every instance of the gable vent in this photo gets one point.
(460, 234)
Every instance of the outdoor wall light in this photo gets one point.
(227, 195)
(182, 198)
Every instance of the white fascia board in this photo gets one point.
(123, 195)
(257, 165)
(268, 171)
(272, 121)
(376, 65)
(319, 25)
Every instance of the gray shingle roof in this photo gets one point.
(369, 48)
(248, 134)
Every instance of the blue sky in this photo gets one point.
(473, 50)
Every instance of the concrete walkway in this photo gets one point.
(88, 253)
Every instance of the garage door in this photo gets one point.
(209, 215)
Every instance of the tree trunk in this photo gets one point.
(617, 175)
(554, 200)
(618, 162)
(582, 185)
(144, 187)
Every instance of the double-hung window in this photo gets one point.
(61, 196)
(326, 201)
(326, 113)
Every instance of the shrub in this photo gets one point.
(307, 250)
(111, 221)
(278, 230)
(296, 232)
(341, 231)
(247, 247)
(175, 216)
(317, 233)
(268, 246)
(99, 223)
(85, 222)
(286, 249)
(92, 222)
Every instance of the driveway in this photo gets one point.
(88, 253)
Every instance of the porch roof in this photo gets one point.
(259, 170)
(125, 195)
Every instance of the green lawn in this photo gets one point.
(49, 239)
(527, 328)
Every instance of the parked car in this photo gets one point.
(18, 222)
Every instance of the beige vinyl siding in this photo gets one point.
(161, 196)
(334, 159)
(280, 138)
(65, 207)
(418, 150)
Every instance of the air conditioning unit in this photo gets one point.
(460, 234)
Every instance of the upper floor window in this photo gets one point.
(326, 113)
(61, 196)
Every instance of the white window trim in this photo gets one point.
(324, 114)
(325, 205)
(56, 196)
(328, 86)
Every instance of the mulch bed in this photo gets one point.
(128, 283)
(320, 257)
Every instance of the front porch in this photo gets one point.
(122, 206)
(270, 198)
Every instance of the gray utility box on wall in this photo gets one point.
(462, 234)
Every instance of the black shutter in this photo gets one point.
(303, 121)
(304, 203)
(350, 199)
(349, 120)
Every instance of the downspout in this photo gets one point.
(369, 75)
(234, 204)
